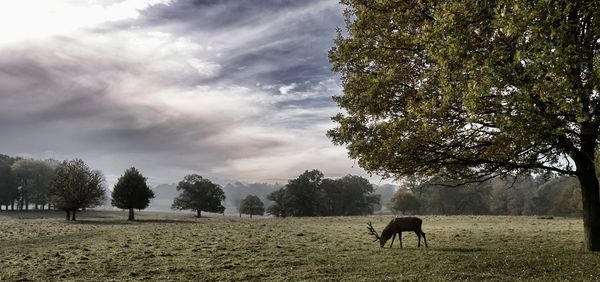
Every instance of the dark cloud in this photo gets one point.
(289, 39)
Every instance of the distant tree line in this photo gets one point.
(525, 195)
(72, 185)
(313, 195)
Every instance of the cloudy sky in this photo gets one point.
(227, 89)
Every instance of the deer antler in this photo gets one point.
(372, 231)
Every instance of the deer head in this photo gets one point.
(374, 233)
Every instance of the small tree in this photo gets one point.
(404, 201)
(252, 205)
(131, 192)
(199, 194)
(76, 186)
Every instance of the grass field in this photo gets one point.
(102, 246)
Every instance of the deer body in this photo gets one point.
(397, 226)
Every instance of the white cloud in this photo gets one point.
(205, 69)
(287, 88)
(33, 19)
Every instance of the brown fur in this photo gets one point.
(399, 225)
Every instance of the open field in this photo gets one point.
(103, 246)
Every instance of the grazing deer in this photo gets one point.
(397, 226)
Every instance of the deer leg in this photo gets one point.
(424, 239)
(400, 239)
(393, 237)
(419, 236)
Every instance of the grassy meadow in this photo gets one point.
(103, 246)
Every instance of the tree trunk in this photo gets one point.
(68, 214)
(131, 216)
(198, 213)
(74, 211)
(12, 205)
(590, 197)
(250, 214)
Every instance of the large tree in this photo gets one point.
(131, 192)
(304, 193)
(473, 89)
(76, 186)
(349, 195)
(252, 205)
(34, 178)
(199, 194)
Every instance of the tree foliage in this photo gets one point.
(252, 205)
(131, 192)
(558, 197)
(8, 184)
(441, 196)
(470, 90)
(404, 201)
(76, 186)
(349, 195)
(303, 193)
(281, 202)
(34, 177)
(312, 195)
(199, 194)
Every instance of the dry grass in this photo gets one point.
(102, 246)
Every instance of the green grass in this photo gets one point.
(102, 246)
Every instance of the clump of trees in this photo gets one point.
(72, 185)
(310, 194)
(33, 178)
(252, 205)
(75, 186)
(24, 182)
(131, 192)
(199, 194)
